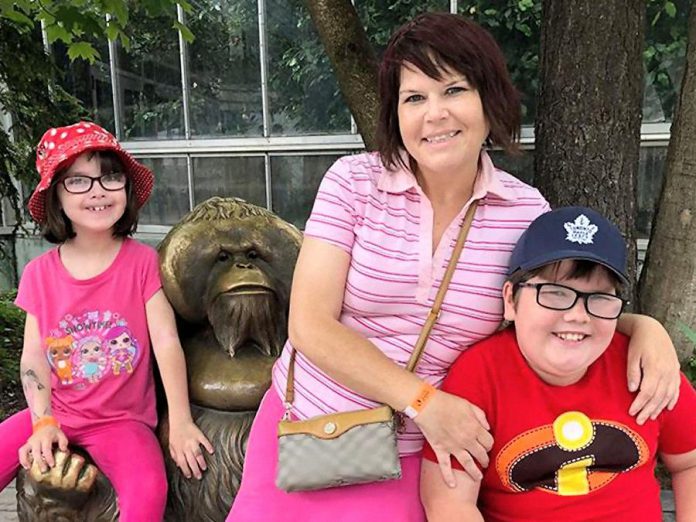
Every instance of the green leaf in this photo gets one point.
(56, 32)
(185, 31)
(688, 332)
(83, 50)
(670, 9)
(18, 17)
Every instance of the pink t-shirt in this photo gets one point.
(95, 335)
(385, 222)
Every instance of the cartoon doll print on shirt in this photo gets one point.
(85, 349)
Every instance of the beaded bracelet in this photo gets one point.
(425, 393)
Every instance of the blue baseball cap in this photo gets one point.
(570, 233)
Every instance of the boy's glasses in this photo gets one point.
(561, 297)
(81, 184)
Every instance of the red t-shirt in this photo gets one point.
(95, 335)
(566, 453)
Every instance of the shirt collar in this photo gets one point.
(400, 178)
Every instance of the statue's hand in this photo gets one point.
(70, 473)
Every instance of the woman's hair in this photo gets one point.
(58, 228)
(436, 43)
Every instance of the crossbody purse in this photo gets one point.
(353, 447)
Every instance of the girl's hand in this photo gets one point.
(454, 426)
(652, 364)
(40, 447)
(185, 441)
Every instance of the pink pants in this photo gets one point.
(127, 452)
(259, 499)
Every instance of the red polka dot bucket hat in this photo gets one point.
(59, 147)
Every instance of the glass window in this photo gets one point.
(170, 197)
(650, 174)
(89, 83)
(303, 94)
(237, 176)
(225, 75)
(295, 183)
(149, 79)
(664, 56)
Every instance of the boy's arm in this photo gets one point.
(445, 504)
(682, 466)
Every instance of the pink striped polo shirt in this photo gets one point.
(384, 221)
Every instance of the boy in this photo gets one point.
(553, 388)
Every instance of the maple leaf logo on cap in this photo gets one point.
(581, 230)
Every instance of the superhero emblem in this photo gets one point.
(572, 456)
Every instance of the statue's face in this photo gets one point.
(228, 273)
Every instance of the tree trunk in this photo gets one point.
(667, 289)
(589, 114)
(353, 59)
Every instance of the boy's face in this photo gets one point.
(559, 345)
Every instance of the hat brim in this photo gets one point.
(552, 257)
(142, 179)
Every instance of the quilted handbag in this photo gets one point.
(352, 447)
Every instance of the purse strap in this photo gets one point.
(430, 321)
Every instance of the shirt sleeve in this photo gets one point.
(678, 427)
(468, 378)
(151, 274)
(26, 293)
(333, 216)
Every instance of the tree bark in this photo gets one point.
(667, 289)
(589, 114)
(353, 59)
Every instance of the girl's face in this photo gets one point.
(442, 123)
(97, 210)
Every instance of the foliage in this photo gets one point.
(32, 96)
(665, 50)
(12, 328)
(76, 22)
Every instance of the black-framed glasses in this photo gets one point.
(80, 184)
(561, 297)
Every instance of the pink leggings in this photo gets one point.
(127, 452)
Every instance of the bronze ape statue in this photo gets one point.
(226, 268)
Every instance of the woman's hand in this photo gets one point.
(454, 426)
(185, 441)
(40, 446)
(653, 368)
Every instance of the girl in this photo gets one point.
(96, 283)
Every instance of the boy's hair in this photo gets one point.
(580, 269)
(58, 228)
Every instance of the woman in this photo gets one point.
(376, 246)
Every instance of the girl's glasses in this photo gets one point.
(81, 184)
(561, 297)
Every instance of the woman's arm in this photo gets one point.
(446, 504)
(450, 424)
(653, 366)
(36, 382)
(683, 470)
(185, 438)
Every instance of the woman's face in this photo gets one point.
(442, 123)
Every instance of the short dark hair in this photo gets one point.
(58, 228)
(434, 43)
(580, 269)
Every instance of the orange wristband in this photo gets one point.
(425, 393)
(48, 420)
